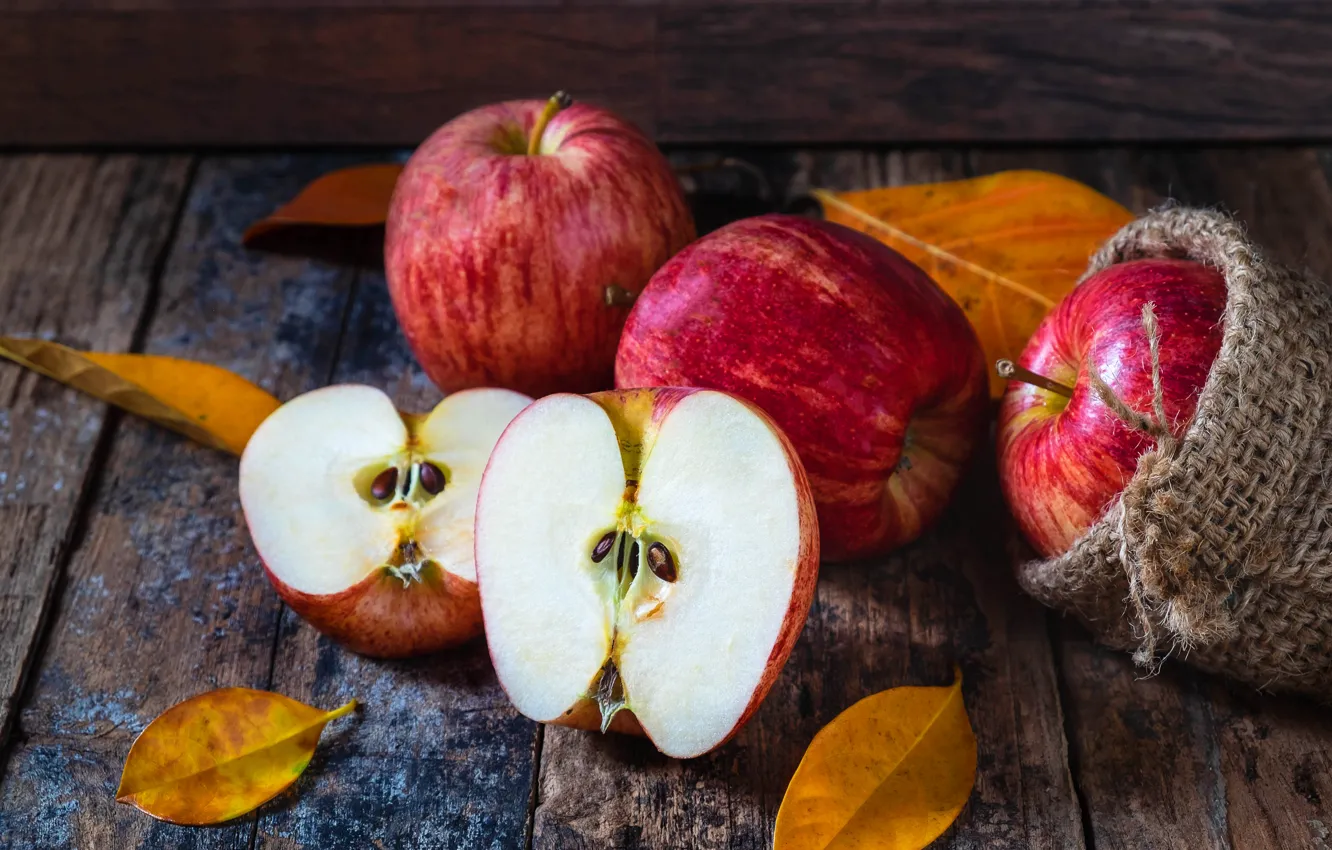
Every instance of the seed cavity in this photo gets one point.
(661, 562)
(407, 483)
(603, 547)
(633, 561)
(384, 484)
(431, 478)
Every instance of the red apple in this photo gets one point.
(870, 369)
(1064, 458)
(646, 560)
(363, 516)
(499, 260)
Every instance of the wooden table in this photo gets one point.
(128, 582)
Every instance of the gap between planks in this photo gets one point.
(10, 733)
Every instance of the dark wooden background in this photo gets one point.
(348, 72)
(128, 581)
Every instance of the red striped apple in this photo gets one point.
(363, 516)
(1063, 454)
(870, 369)
(647, 559)
(507, 231)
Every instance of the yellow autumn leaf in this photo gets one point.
(206, 403)
(1007, 247)
(891, 772)
(221, 754)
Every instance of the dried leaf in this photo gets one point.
(221, 754)
(1007, 247)
(890, 773)
(350, 197)
(206, 403)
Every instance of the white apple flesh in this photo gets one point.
(646, 559)
(363, 515)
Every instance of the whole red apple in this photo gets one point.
(872, 371)
(1064, 458)
(499, 260)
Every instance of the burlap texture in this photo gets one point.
(1220, 548)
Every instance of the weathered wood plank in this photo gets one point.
(80, 237)
(899, 620)
(164, 597)
(439, 758)
(1183, 759)
(243, 72)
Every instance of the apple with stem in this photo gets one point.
(363, 516)
(646, 559)
(1064, 454)
(516, 237)
(871, 370)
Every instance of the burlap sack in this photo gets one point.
(1220, 548)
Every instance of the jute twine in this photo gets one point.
(1220, 547)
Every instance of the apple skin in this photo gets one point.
(1063, 461)
(381, 618)
(636, 415)
(498, 262)
(846, 344)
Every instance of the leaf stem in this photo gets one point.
(559, 100)
(341, 711)
(1013, 372)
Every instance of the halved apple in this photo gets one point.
(646, 560)
(363, 515)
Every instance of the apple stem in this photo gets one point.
(1011, 371)
(618, 296)
(559, 100)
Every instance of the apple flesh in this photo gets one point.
(1063, 460)
(870, 369)
(499, 262)
(363, 516)
(647, 559)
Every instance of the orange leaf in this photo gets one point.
(892, 772)
(350, 197)
(221, 754)
(1007, 247)
(206, 403)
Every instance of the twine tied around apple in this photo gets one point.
(1141, 573)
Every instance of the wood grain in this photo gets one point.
(81, 237)
(900, 620)
(164, 597)
(439, 759)
(1183, 759)
(243, 72)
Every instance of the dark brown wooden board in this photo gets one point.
(241, 72)
(80, 240)
(164, 597)
(1183, 759)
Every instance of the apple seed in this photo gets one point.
(661, 563)
(603, 547)
(431, 478)
(407, 483)
(384, 484)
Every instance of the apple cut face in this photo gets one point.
(363, 516)
(646, 558)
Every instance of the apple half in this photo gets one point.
(363, 515)
(646, 560)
